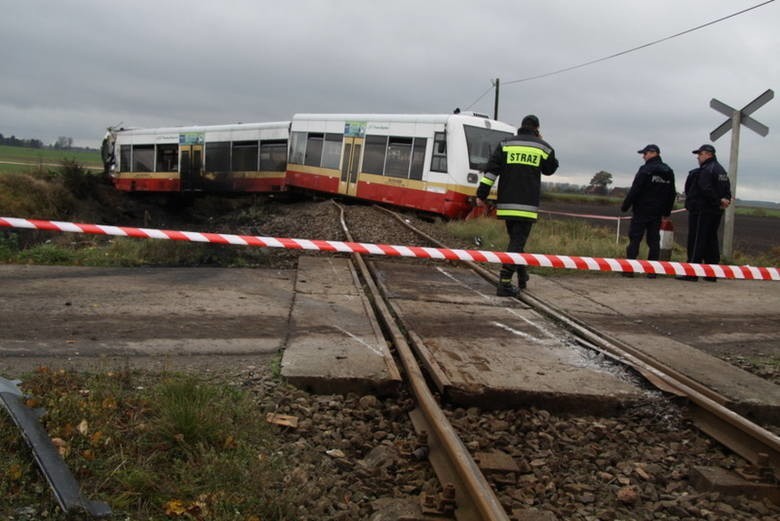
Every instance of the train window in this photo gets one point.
(418, 158)
(167, 158)
(313, 149)
(481, 143)
(439, 157)
(399, 155)
(374, 154)
(244, 156)
(273, 156)
(297, 147)
(331, 151)
(125, 158)
(218, 156)
(143, 158)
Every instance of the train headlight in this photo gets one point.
(472, 178)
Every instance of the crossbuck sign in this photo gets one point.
(737, 117)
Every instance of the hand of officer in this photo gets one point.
(480, 202)
(724, 203)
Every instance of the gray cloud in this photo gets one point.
(74, 68)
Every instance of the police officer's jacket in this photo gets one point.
(706, 186)
(653, 191)
(518, 163)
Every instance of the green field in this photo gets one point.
(10, 157)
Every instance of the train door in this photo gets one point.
(350, 165)
(191, 161)
(354, 136)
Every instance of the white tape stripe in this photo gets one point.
(540, 259)
(463, 255)
(306, 244)
(67, 227)
(19, 223)
(435, 253)
(615, 265)
(195, 236)
(235, 239)
(376, 250)
(568, 262)
(154, 234)
(656, 267)
(340, 246)
(636, 265)
(592, 264)
(112, 230)
(404, 251)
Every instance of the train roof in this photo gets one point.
(401, 118)
(203, 128)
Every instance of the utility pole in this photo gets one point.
(495, 104)
(736, 119)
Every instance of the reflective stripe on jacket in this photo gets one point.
(518, 164)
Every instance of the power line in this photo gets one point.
(480, 97)
(621, 53)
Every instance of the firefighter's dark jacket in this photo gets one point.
(653, 191)
(706, 186)
(518, 163)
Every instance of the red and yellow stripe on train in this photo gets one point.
(426, 162)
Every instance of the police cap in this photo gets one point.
(650, 148)
(705, 148)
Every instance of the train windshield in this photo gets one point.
(481, 143)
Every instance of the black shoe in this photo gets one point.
(711, 279)
(689, 278)
(651, 275)
(506, 290)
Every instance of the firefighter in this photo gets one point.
(517, 163)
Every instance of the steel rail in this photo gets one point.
(751, 441)
(475, 493)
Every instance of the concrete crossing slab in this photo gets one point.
(681, 323)
(335, 345)
(495, 352)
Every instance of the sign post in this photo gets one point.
(736, 119)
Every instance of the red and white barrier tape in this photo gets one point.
(529, 259)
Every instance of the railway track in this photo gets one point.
(466, 492)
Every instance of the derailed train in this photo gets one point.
(426, 162)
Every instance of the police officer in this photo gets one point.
(650, 198)
(517, 163)
(707, 194)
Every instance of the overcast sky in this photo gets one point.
(73, 68)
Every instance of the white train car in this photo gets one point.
(249, 157)
(427, 162)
